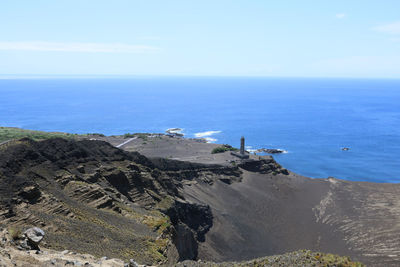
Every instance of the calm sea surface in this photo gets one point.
(310, 118)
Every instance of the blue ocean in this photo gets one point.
(312, 119)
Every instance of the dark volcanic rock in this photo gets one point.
(271, 150)
(30, 193)
(191, 222)
(185, 242)
(263, 166)
(198, 217)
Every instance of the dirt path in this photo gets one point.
(127, 141)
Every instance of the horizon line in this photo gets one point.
(111, 76)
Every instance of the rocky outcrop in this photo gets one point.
(263, 166)
(30, 193)
(33, 237)
(189, 171)
(271, 150)
(191, 222)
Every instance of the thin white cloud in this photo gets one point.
(340, 15)
(391, 28)
(77, 47)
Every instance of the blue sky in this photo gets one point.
(318, 38)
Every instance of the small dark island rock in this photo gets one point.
(271, 150)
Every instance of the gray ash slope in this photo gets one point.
(93, 198)
(273, 214)
(272, 211)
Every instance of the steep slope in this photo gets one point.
(93, 198)
(275, 213)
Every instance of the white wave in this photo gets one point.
(259, 150)
(205, 134)
(210, 140)
(174, 130)
(251, 149)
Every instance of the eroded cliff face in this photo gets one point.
(263, 166)
(93, 198)
(192, 222)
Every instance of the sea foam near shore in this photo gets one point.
(207, 136)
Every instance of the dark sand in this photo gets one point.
(269, 214)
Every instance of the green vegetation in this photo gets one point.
(157, 249)
(165, 203)
(142, 136)
(129, 135)
(98, 134)
(78, 183)
(223, 148)
(150, 250)
(15, 232)
(138, 135)
(10, 133)
(158, 222)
